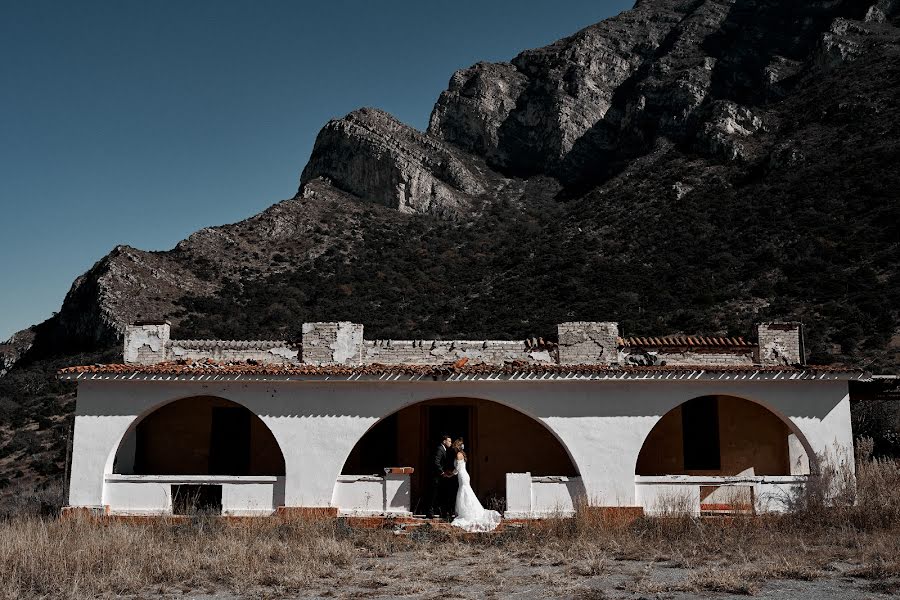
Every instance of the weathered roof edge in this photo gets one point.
(452, 371)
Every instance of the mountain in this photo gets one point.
(685, 166)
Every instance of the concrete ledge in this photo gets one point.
(192, 479)
(153, 494)
(716, 480)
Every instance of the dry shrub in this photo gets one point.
(30, 501)
(727, 581)
(836, 517)
(877, 489)
(586, 593)
(868, 499)
(80, 557)
(879, 569)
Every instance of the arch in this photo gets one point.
(198, 435)
(722, 434)
(500, 438)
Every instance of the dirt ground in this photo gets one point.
(487, 573)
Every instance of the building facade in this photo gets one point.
(338, 424)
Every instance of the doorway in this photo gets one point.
(455, 420)
(499, 440)
(229, 444)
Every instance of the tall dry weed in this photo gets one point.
(867, 497)
(80, 557)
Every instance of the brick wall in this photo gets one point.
(780, 344)
(145, 343)
(580, 342)
(422, 352)
(262, 351)
(686, 356)
(583, 342)
(332, 343)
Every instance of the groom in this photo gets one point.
(441, 495)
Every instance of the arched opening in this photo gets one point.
(201, 435)
(499, 440)
(722, 436)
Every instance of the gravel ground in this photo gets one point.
(487, 574)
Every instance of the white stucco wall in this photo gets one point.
(603, 423)
(372, 494)
(530, 497)
(152, 494)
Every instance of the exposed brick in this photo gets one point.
(332, 343)
(306, 512)
(586, 342)
(780, 344)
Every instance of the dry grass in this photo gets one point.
(81, 558)
(856, 524)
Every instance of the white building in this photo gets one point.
(342, 425)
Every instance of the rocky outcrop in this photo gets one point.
(124, 286)
(882, 11)
(14, 348)
(848, 39)
(692, 72)
(372, 155)
(723, 129)
(528, 116)
(470, 112)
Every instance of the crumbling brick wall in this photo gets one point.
(423, 352)
(146, 342)
(580, 342)
(780, 344)
(261, 351)
(686, 356)
(332, 343)
(584, 342)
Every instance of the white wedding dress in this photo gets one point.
(470, 515)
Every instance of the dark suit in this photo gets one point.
(436, 495)
(451, 484)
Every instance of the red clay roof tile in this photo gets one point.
(212, 368)
(684, 341)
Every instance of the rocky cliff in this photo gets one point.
(684, 166)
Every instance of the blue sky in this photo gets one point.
(139, 122)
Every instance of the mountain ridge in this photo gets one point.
(634, 82)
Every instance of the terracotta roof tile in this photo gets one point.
(208, 367)
(680, 341)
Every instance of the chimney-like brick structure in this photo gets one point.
(588, 342)
(780, 344)
(146, 342)
(339, 343)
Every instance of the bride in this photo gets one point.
(470, 515)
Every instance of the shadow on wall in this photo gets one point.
(721, 436)
(498, 439)
(561, 399)
(203, 435)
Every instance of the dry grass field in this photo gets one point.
(846, 546)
